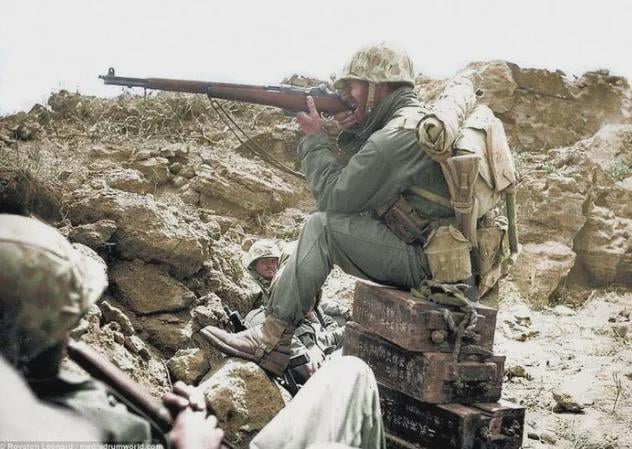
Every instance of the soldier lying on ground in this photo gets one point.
(46, 285)
(316, 337)
(264, 260)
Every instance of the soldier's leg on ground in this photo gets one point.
(361, 246)
(340, 403)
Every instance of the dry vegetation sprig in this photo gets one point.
(166, 116)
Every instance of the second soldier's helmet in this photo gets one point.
(259, 250)
(379, 63)
(46, 285)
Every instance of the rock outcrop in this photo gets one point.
(188, 365)
(146, 289)
(238, 187)
(146, 229)
(541, 268)
(243, 398)
(541, 109)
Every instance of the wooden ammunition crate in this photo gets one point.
(498, 425)
(412, 323)
(432, 377)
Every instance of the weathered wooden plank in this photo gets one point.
(451, 426)
(415, 324)
(392, 442)
(430, 377)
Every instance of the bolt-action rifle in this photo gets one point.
(136, 396)
(290, 98)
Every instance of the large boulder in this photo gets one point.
(168, 332)
(541, 268)
(146, 229)
(550, 208)
(128, 180)
(188, 365)
(581, 197)
(236, 186)
(243, 398)
(145, 288)
(604, 248)
(95, 235)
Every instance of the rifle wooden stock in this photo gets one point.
(105, 371)
(290, 98)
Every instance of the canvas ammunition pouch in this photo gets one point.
(448, 254)
(403, 220)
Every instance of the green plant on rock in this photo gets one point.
(548, 168)
(618, 170)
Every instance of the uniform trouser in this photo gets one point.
(339, 404)
(361, 246)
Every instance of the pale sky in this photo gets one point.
(49, 45)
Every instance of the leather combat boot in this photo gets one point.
(268, 344)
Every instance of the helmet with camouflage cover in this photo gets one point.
(378, 63)
(259, 250)
(46, 285)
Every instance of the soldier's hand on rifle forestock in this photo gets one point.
(192, 429)
(310, 122)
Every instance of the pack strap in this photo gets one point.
(431, 196)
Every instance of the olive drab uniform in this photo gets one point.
(346, 232)
(415, 218)
(31, 420)
(94, 401)
(361, 206)
(315, 337)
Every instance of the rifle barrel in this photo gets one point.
(286, 97)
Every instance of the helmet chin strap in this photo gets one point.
(370, 99)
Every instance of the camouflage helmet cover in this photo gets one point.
(47, 282)
(259, 250)
(379, 63)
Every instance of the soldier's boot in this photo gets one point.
(268, 344)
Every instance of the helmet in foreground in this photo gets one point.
(46, 285)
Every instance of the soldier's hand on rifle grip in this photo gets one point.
(310, 122)
(346, 120)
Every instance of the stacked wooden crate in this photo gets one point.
(432, 397)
